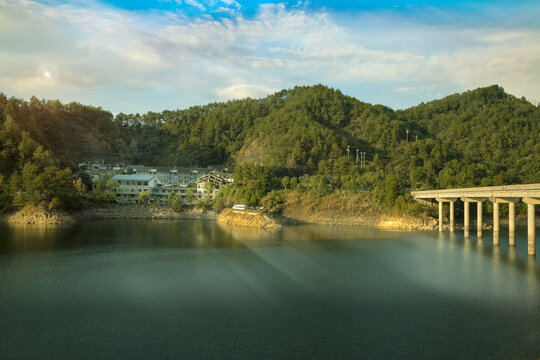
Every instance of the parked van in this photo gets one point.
(239, 207)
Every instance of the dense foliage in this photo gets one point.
(32, 175)
(295, 139)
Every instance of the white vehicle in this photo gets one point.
(239, 207)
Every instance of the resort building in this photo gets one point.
(130, 186)
(181, 176)
(160, 182)
(165, 175)
(209, 184)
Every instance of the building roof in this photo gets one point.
(133, 177)
(215, 178)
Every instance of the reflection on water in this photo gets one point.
(196, 289)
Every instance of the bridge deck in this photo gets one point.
(528, 193)
(508, 191)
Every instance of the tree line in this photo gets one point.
(480, 137)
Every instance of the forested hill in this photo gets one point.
(480, 137)
(488, 137)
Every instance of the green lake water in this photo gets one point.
(144, 289)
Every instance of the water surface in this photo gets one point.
(143, 289)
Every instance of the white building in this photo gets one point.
(209, 185)
(130, 186)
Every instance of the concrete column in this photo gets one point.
(451, 216)
(511, 223)
(479, 219)
(530, 229)
(466, 219)
(495, 223)
(440, 215)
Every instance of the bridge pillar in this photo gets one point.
(530, 229)
(511, 223)
(466, 218)
(451, 216)
(495, 223)
(479, 219)
(440, 215)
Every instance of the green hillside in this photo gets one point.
(480, 137)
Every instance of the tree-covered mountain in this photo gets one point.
(480, 137)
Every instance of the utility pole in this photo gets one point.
(348, 151)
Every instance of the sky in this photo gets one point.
(150, 55)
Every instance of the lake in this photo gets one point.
(143, 289)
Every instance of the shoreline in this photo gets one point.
(34, 215)
(248, 219)
(39, 216)
(141, 211)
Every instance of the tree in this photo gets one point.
(177, 205)
(172, 197)
(144, 197)
(108, 196)
(106, 182)
(86, 179)
(190, 196)
(285, 181)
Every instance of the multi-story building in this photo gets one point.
(160, 181)
(209, 184)
(182, 176)
(130, 186)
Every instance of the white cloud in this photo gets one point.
(231, 3)
(134, 62)
(240, 91)
(196, 4)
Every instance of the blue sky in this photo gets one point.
(138, 56)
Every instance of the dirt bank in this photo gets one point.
(346, 210)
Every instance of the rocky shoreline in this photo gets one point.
(380, 221)
(133, 211)
(36, 215)
(248, 219)
(40, 216)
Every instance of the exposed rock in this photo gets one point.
(37, 215)
(404, 222)
(247, 218)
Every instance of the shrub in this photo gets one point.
(177, 205)
(273, 202)
(144, 197)
(55, 203)
(108, 196)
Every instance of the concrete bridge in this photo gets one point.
(510, 194)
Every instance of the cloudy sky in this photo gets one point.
(150, 55)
